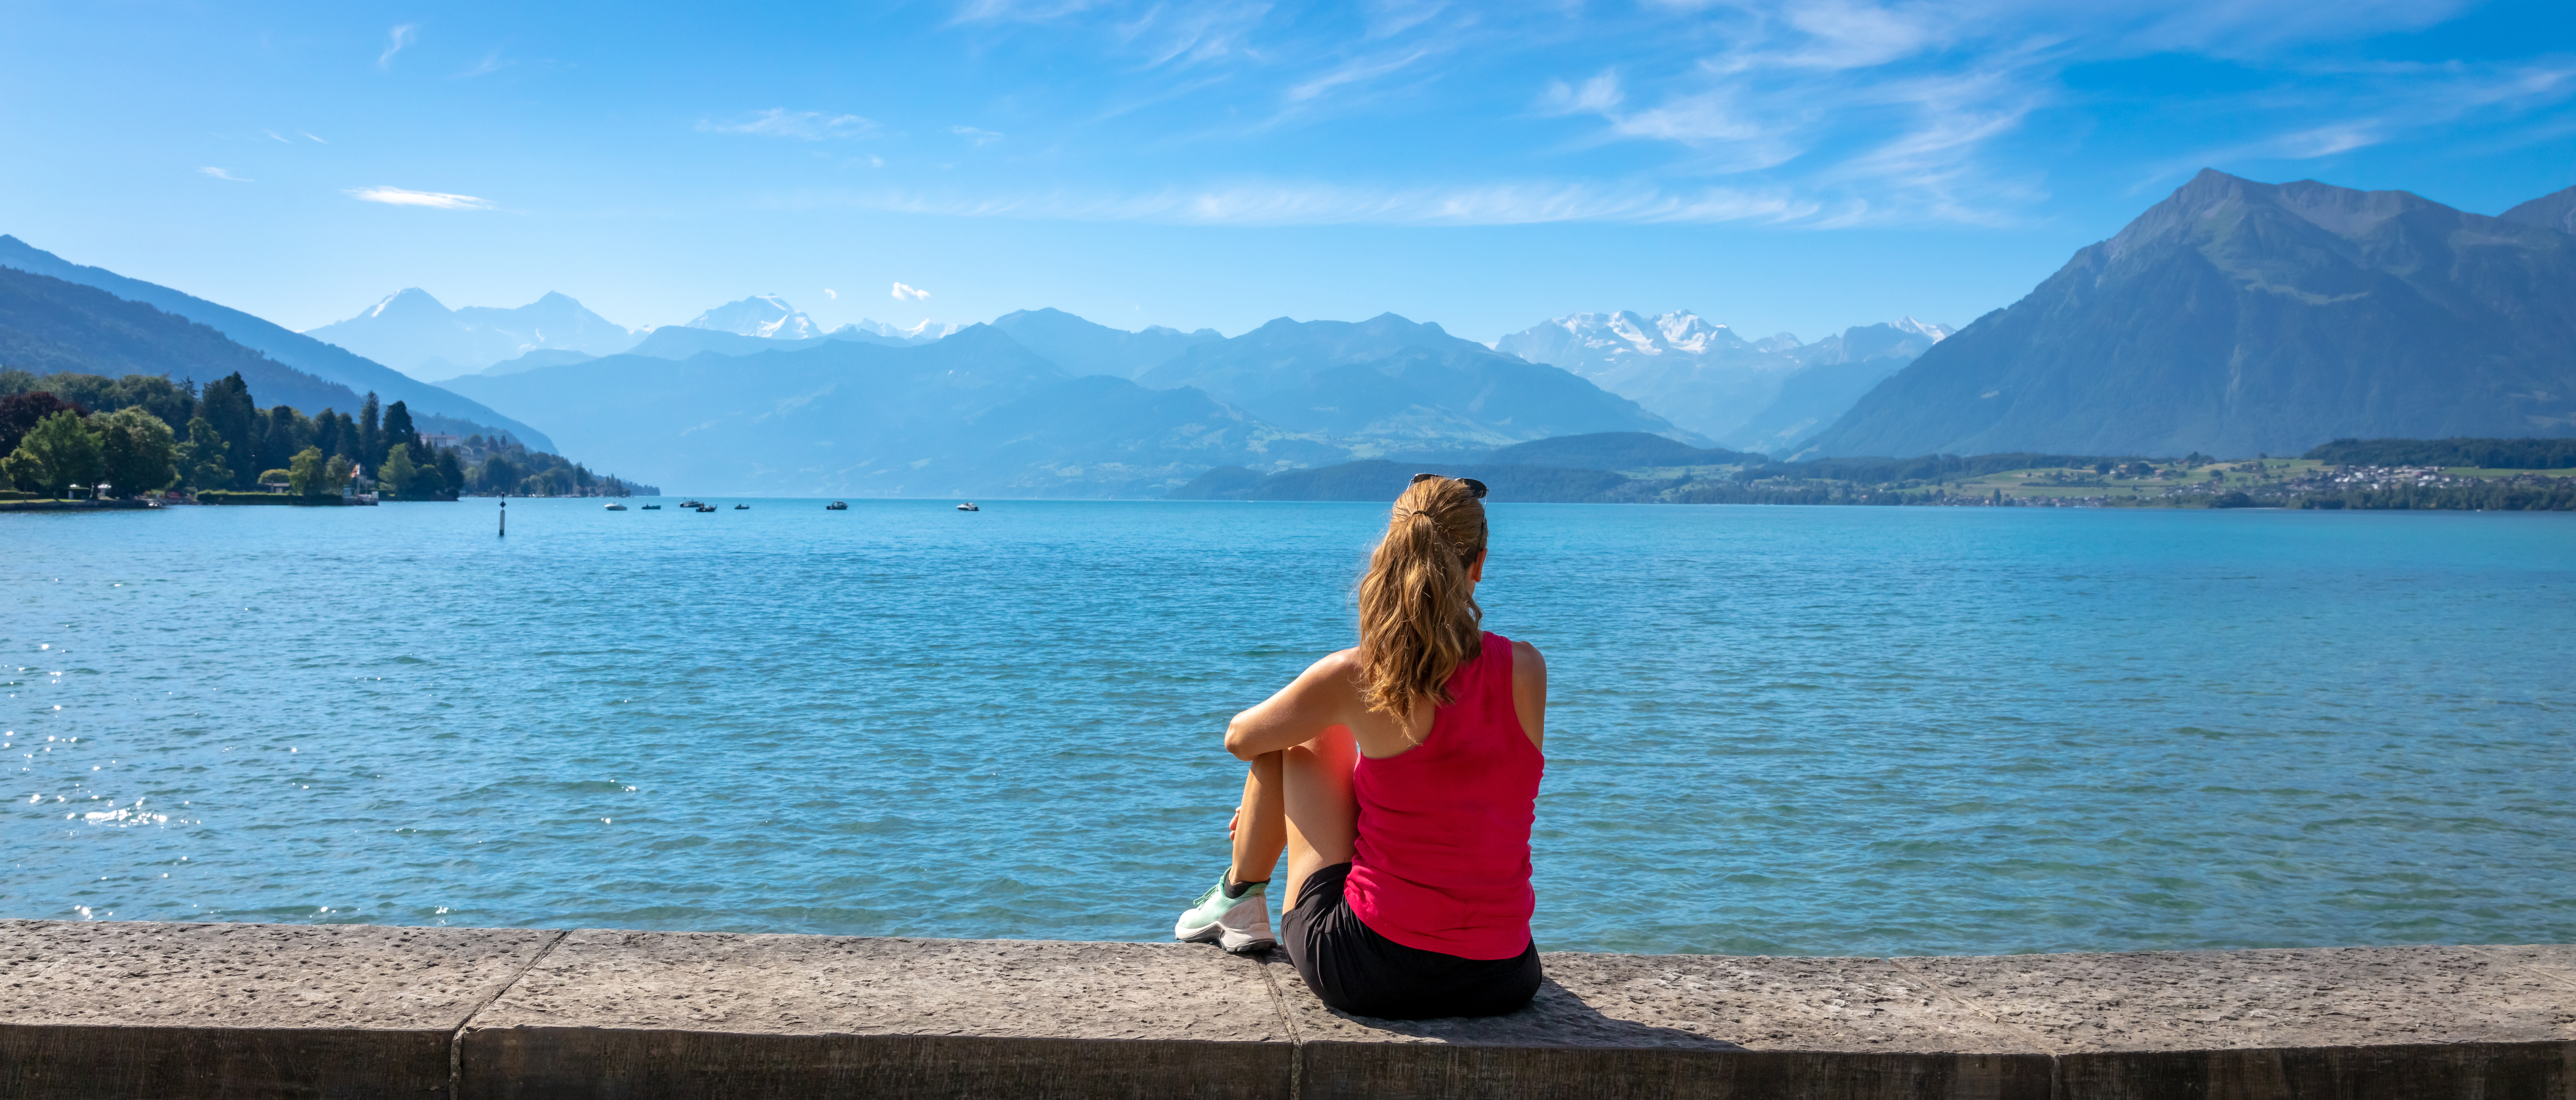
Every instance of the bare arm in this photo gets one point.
(1529, 691)
(1319, 699)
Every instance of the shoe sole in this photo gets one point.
(1234, 943)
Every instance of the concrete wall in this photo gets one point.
(237, 1010)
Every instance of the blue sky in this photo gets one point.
(1796, 165)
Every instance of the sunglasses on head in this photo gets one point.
(1475, 488)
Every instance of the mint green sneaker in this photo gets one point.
(1238, 925)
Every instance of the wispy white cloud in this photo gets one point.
(904, 293)
(277, 137)
(800, 125)
(2359, 108)
(1359, 70)
(437, 200)
(401, 36)
(492, 62)
(1798, 112)
(309, 134)
(220, 174)
(1321, 204)
(1191, 34)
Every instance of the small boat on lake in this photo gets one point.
(706, 507)
(742, 507)
(652, 507)
(692, 504)
(613, 506)
(969, 506)
(836, 506)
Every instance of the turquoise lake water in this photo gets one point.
(1784, 730)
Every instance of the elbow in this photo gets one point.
(1238, 740)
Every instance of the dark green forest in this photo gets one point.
(145, 434)
(2486, 454)
(2350, 482)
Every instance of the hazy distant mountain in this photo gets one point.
(922, 333)
(1612, 451)
(2238, 318)
(296, 350)
(1388, 385)
(972, 414)
(542, 357)
(767, 316)
(1082, 347)
(416, 334)
(2555, 211)
(1835, 372)
(1706, 378)
(48, 326)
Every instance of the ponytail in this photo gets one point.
(1418, 615)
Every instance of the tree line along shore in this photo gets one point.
(2377, 474)
(145, 436)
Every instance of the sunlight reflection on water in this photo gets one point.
(1787, 730)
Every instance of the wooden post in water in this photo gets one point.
(505, 517)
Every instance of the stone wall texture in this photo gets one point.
(246, 1010)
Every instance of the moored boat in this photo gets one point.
(836, 506)
(613, 506)
(969, 506)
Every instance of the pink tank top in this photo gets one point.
(1442, 861)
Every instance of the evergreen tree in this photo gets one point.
(371, 437)
(226, 405)
(399, 431)
(288, 431)
(347, 435)
(326, 432)
(136, 451)
(449, 473)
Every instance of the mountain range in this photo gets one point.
(2232, 317)
(424, 338)
(979, 412)
(292, 351)
(1753, 394)
(418, 335)
(975, 413)
(2240, 318)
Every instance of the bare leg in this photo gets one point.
(1260, 823)
(1298, 800)
(1323, 816)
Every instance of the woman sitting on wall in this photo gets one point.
(1401, 777)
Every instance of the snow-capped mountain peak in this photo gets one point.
(767, 316)
(1933, 332)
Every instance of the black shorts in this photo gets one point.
(1360, 972)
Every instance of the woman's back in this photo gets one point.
(1441, 862)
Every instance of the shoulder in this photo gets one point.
(1345, 662)
(1525, 657)
(1337, 671)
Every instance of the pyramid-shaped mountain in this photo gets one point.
(2239, 318)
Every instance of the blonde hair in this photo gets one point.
(1418, 615)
